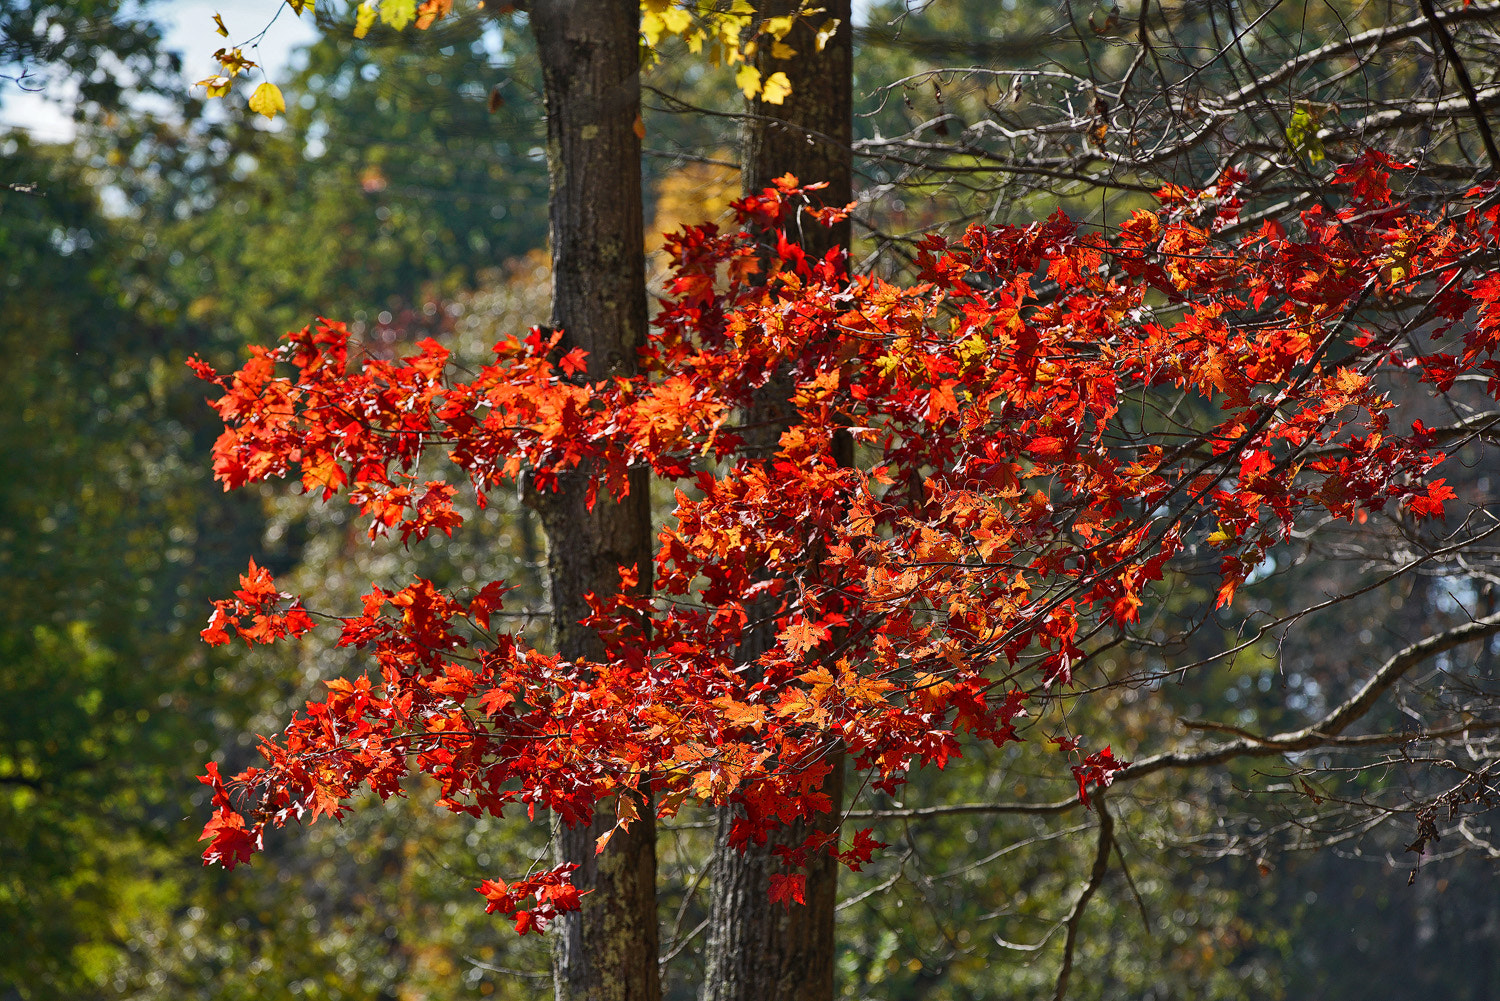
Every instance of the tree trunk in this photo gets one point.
(589, 51)
(757, 950)
(811, 133)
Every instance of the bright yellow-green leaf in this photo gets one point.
(747, 79)
(776, 89)
(677, 20)
(1302, 132)
(728, 29)
(267, 100)
(970, 348)
(364, 19)
(398, 13)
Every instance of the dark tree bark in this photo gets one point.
(809, 135)
(589, 52)
(757, 950)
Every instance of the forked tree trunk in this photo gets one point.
(757, 950)
(589, 51)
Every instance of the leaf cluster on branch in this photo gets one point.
(1018, 492)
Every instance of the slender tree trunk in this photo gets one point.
(757, 950)
(589, 51)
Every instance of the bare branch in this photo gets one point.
(1465, 84)
(1326, 732)
(1096, 877)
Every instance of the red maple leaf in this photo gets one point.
(786, 888)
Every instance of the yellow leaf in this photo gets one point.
(652, 28)
(829, 29)
(970, 348)
(219, 26)
(364, 19)
(727, 29)
(233, 62)
(781, 50)
(747, 79)
(777, 88)
(778, 27)
(298, 6)
(267, 100)
(398, 13)
(217, 86)
(677, 20)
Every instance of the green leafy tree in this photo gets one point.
(106, 543)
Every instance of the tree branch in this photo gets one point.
(1464, 83)
(1326, 732)
(1096, 877)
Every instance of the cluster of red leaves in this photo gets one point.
(550, 892)
(1016, 493)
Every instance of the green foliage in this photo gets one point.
(105, 564)
(104, 541)
(104, 48)
(391, 185)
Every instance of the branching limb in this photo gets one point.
(1326, 732)
(1465, 84)
(1336, 721)
(1096, 877)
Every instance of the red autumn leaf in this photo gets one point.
(574, 362)
(1098, 768)
(229, 842)
(786, 889)
(860, 849)
(1046, 447)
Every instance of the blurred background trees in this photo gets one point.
(407, 193)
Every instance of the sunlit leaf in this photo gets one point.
(267, 100)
